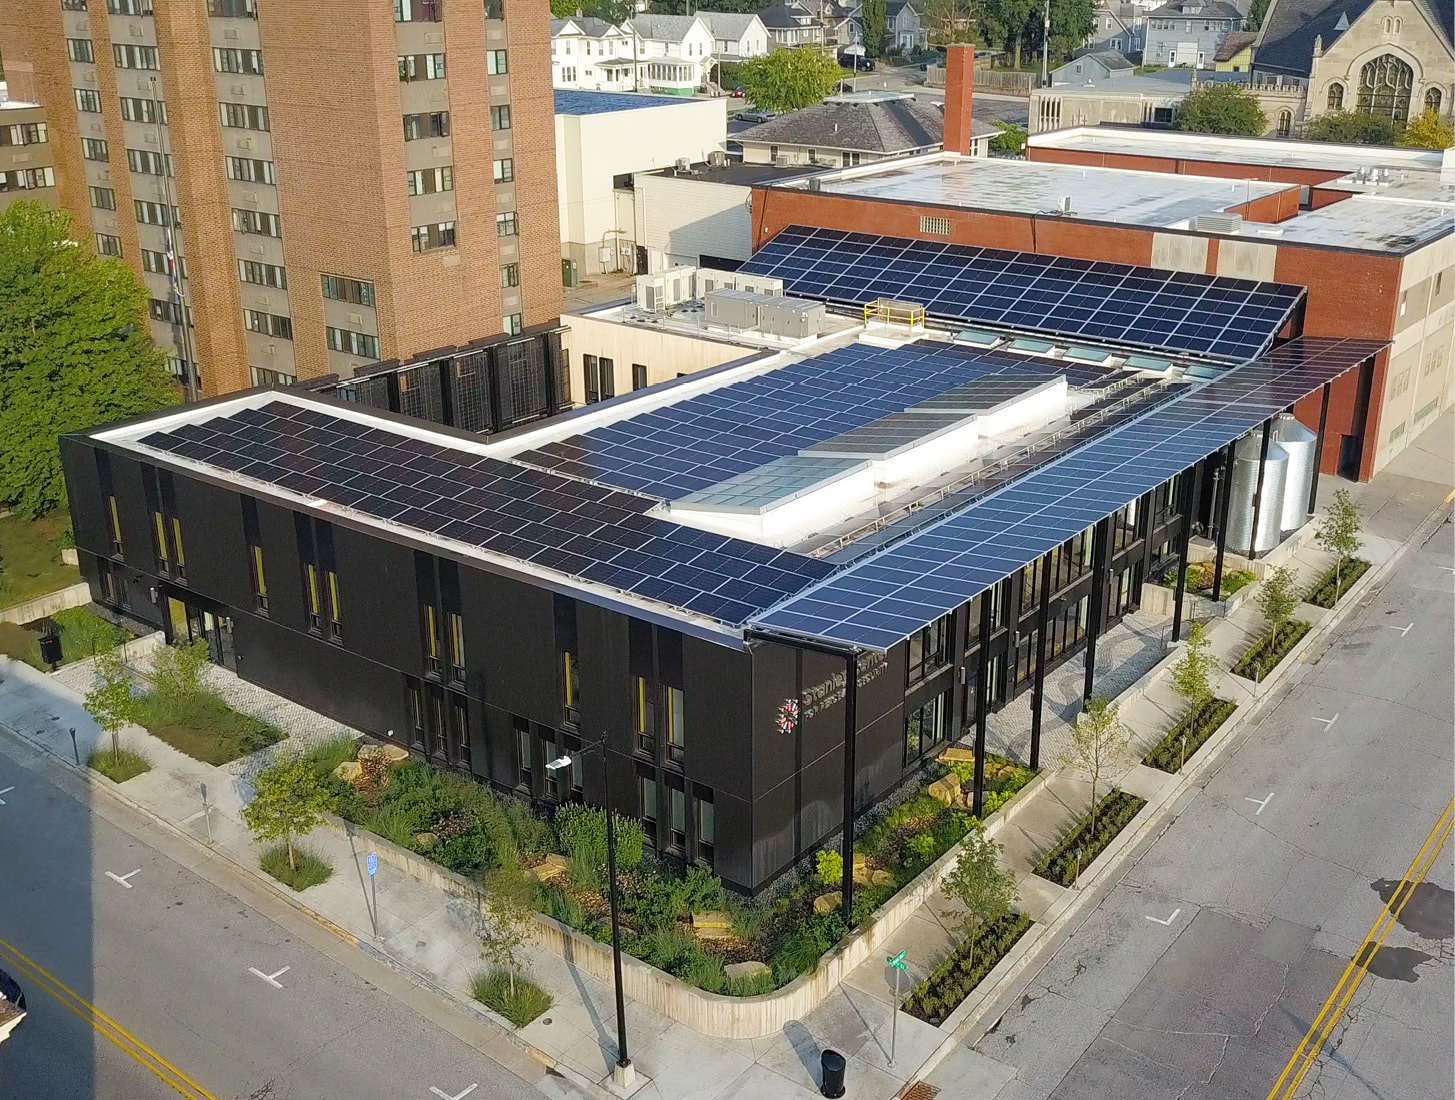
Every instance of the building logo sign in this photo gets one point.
(788, 716)
(827, 693)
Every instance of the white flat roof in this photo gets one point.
(1028, 187)
(1372, 223)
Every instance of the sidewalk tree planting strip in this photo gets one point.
(1061, 864)
(1330, 588)
(304, 870)
(956, 978)
(1264, 654)
(204, 727)
(118, 765)
(30, 556)
(516, 998)
(1197, 725)
(83, 634)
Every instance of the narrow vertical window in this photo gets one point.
(524, 748)
(432, 658)
(705, 824)
(159, 530)
(335, 617)
(315, 609)
(457, 647)
(646, 717)
(181, 559)
(676, 745)
(114, 520)
(571, 689)
(260, 579)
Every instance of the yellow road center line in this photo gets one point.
(144, 1055)
(1338, 1001)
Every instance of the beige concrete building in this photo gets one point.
(315, 186)
(26, 171)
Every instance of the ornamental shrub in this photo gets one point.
(581, 831)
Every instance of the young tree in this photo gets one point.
(875, 15)
(786, 80)
(980, 885)
(75, 350)
(1351, 127)
(111, 702)
(1257, 11)
(290, 802)
(508, 909)
(1097, 738)
(1222, 109)
(1427, 131)
(1011, 141)
(1338, 532)
(1192, 675)
(177, 670)
(1278, 598)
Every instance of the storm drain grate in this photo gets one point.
(919, 1091)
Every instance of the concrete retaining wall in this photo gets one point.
(49, 604)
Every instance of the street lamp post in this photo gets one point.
(624, 1073)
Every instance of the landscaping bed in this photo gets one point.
(1060, 863)
(309, 869)
(517, 998)
(118, 766)
(1197, 726)
(1264, 654)
(1200, 579)
(30, 557)
(1325, 592)
(204, 727)
(83, 634)
(935, 998)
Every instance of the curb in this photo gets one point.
(476, 1011)
(1157, 809)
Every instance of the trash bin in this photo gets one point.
(833, 1064)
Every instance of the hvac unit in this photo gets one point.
(795, 318)
(1063, 205)
(1218, 223)
(717, 159)
(710, 279)
(665, 289)
(734, 309)
(759, 284)
(684, 164)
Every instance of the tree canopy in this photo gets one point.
(75, 350)
(786, 80)
(1222, 109)
(1257, 12)
(1427, 131)
(1351, 127)
(875, 14)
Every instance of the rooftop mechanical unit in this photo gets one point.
(665, 289)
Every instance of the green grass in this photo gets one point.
(519, 1007)
(30, 557)
(1170, 754)
(204, 727)
(1061, 863)
(1325, 592)
(310, 871)
(1264, 654)
(120, 766)
(83, 634)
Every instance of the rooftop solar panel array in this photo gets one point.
(688, 446)
(586, 531)
(881, 600)
(1175, 311)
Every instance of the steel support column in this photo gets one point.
(1038, 685)
(982, 702)
(1100, 560)
(851, 709)
(1313, 489)
(1223, 506)
(1191, 490)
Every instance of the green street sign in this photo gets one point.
(897, 961)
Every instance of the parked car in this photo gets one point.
(12, 1005)
(754, 116)
(739, 92)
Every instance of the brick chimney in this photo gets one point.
(959, 91)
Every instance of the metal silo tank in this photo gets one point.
(1245, 484)
(1298, 443)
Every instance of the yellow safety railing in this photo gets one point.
(889, 312)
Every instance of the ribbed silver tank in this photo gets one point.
(1245, 484)
(1298, 443)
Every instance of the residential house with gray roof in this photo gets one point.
(1187, 33)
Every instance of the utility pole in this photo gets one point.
(1046, 47)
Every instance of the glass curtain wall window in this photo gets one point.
(646, 717)
(570, 689)
(926, 727)
(929, 650)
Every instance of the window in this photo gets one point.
(143, 110)
(513, 324)
(113, 523)
(25, 179)
(421, 66)
(248, 170)
(342, 289)
(260, 579)
(93, 148)
(570, 690)
(73, 5)
(600, 378)
(79, 49)
(262, 376)
(422, 238)
(647, 802)
(434, 124)
(929, 649)
(1285, 122)
(1401, 384)
(244, 116)
(1404, 301)
(505, 224)
(147, 163)
(416, 11)
(524, 751)
(25, 133)
(256, 222)
(639, 376)
(504, 170)
(495, 62)
(108, 244)
(676, 745)
(1433, 99)
(704, 824)
(677, 834)
(434, 662)
(103, 198)
(426, 181)
(926, 727)
(129, 7)
(269, 324)
(159, 543)
(1385, 85)
(1336, 97)
(509, 275)
(233, 9)
(88, 100)
(352, 343)
(152, 213)
(155, 262)
(135, 57)
(645, 713)
(500, 118)
(261, 274)
(232, 60)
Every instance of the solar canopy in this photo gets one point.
(881, 600)
(589, 532)
(1173, 311)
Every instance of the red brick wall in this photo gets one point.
(1223, 169)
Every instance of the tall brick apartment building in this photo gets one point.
(334, 182)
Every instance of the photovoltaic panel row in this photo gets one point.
(1175, 311)
(582, 531)
(881, 600)
(686, 447)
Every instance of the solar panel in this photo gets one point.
(1175, 311)
(880, 600)
(689, 446)
(768, 486)
(583, 531)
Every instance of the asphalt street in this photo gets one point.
(1199, 972)
(200, 975)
